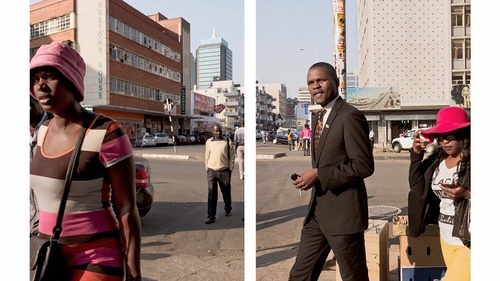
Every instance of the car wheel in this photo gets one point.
(397, 147)
(275, 141)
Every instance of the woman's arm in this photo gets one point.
(122, 179)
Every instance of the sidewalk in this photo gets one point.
(267, 151)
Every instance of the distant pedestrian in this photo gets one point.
(289, 138)
(305, 134)
(219, 164)
(239, 140)
(263, 136)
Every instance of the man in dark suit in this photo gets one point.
(338, 210)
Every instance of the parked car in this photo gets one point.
(161, 138)
(193, 139)
(146, 140)
(202, 138)
(182, 139)
(281, 137)
(144, 188)
(171, 140)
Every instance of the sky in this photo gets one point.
(285, 27)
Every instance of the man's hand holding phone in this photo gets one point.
(294, 177)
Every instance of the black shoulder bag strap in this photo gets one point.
(56, 231)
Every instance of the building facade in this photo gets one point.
(214, 62)
(229, 104)
(136, 64)
(413, 59)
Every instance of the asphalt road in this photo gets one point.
(176, 242)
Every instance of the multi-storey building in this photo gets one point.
(302, 108)
(137, 66)
(214, 62)
(229, 104)
(413, 59)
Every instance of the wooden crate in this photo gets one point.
(377, 251)
(424, 250)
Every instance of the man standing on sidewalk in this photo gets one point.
(219, 163)
(239, 140)
(341, 159)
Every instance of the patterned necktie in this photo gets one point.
(318, 129)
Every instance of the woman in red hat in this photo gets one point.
(438, 182)
(100, 237)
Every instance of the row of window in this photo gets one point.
(51, 26)
(132, 59)
(135, 35)
(140, 91)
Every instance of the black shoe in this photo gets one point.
(210, 220)
(228, 214)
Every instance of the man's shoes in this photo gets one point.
(210, 220)
(228, 213)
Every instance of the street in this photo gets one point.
(176, 242)
(178, 245)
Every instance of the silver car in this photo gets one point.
(161, 139)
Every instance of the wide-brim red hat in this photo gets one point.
(448, 120)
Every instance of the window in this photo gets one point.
(467, 15)
(457, 16)
(457, 50)
(467, 49)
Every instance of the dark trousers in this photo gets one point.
(223, 179)
(314, 248)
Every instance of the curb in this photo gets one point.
(185, 157)
(269, 156)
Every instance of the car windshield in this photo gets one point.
(161, 135)
(148, 137)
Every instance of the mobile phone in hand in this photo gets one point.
(294, 176)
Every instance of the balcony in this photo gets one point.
(231, 103)
(231, 94)
(231, 113)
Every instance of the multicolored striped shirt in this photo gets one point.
(88, 215)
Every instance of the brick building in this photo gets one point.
(136, 64)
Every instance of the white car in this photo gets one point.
(161, 139)
(403, 143)
(146, 140)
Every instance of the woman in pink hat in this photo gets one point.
(438, 182)
(96, 243)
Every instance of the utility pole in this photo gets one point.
(340, 61)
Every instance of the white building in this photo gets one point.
(416, 54)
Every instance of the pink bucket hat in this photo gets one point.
(65, 59)
(448, 120)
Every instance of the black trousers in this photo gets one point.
(215, 179)
(314, 248)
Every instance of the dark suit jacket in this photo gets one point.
(344, 158)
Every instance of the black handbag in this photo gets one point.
(461, 225)
(46, 260)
